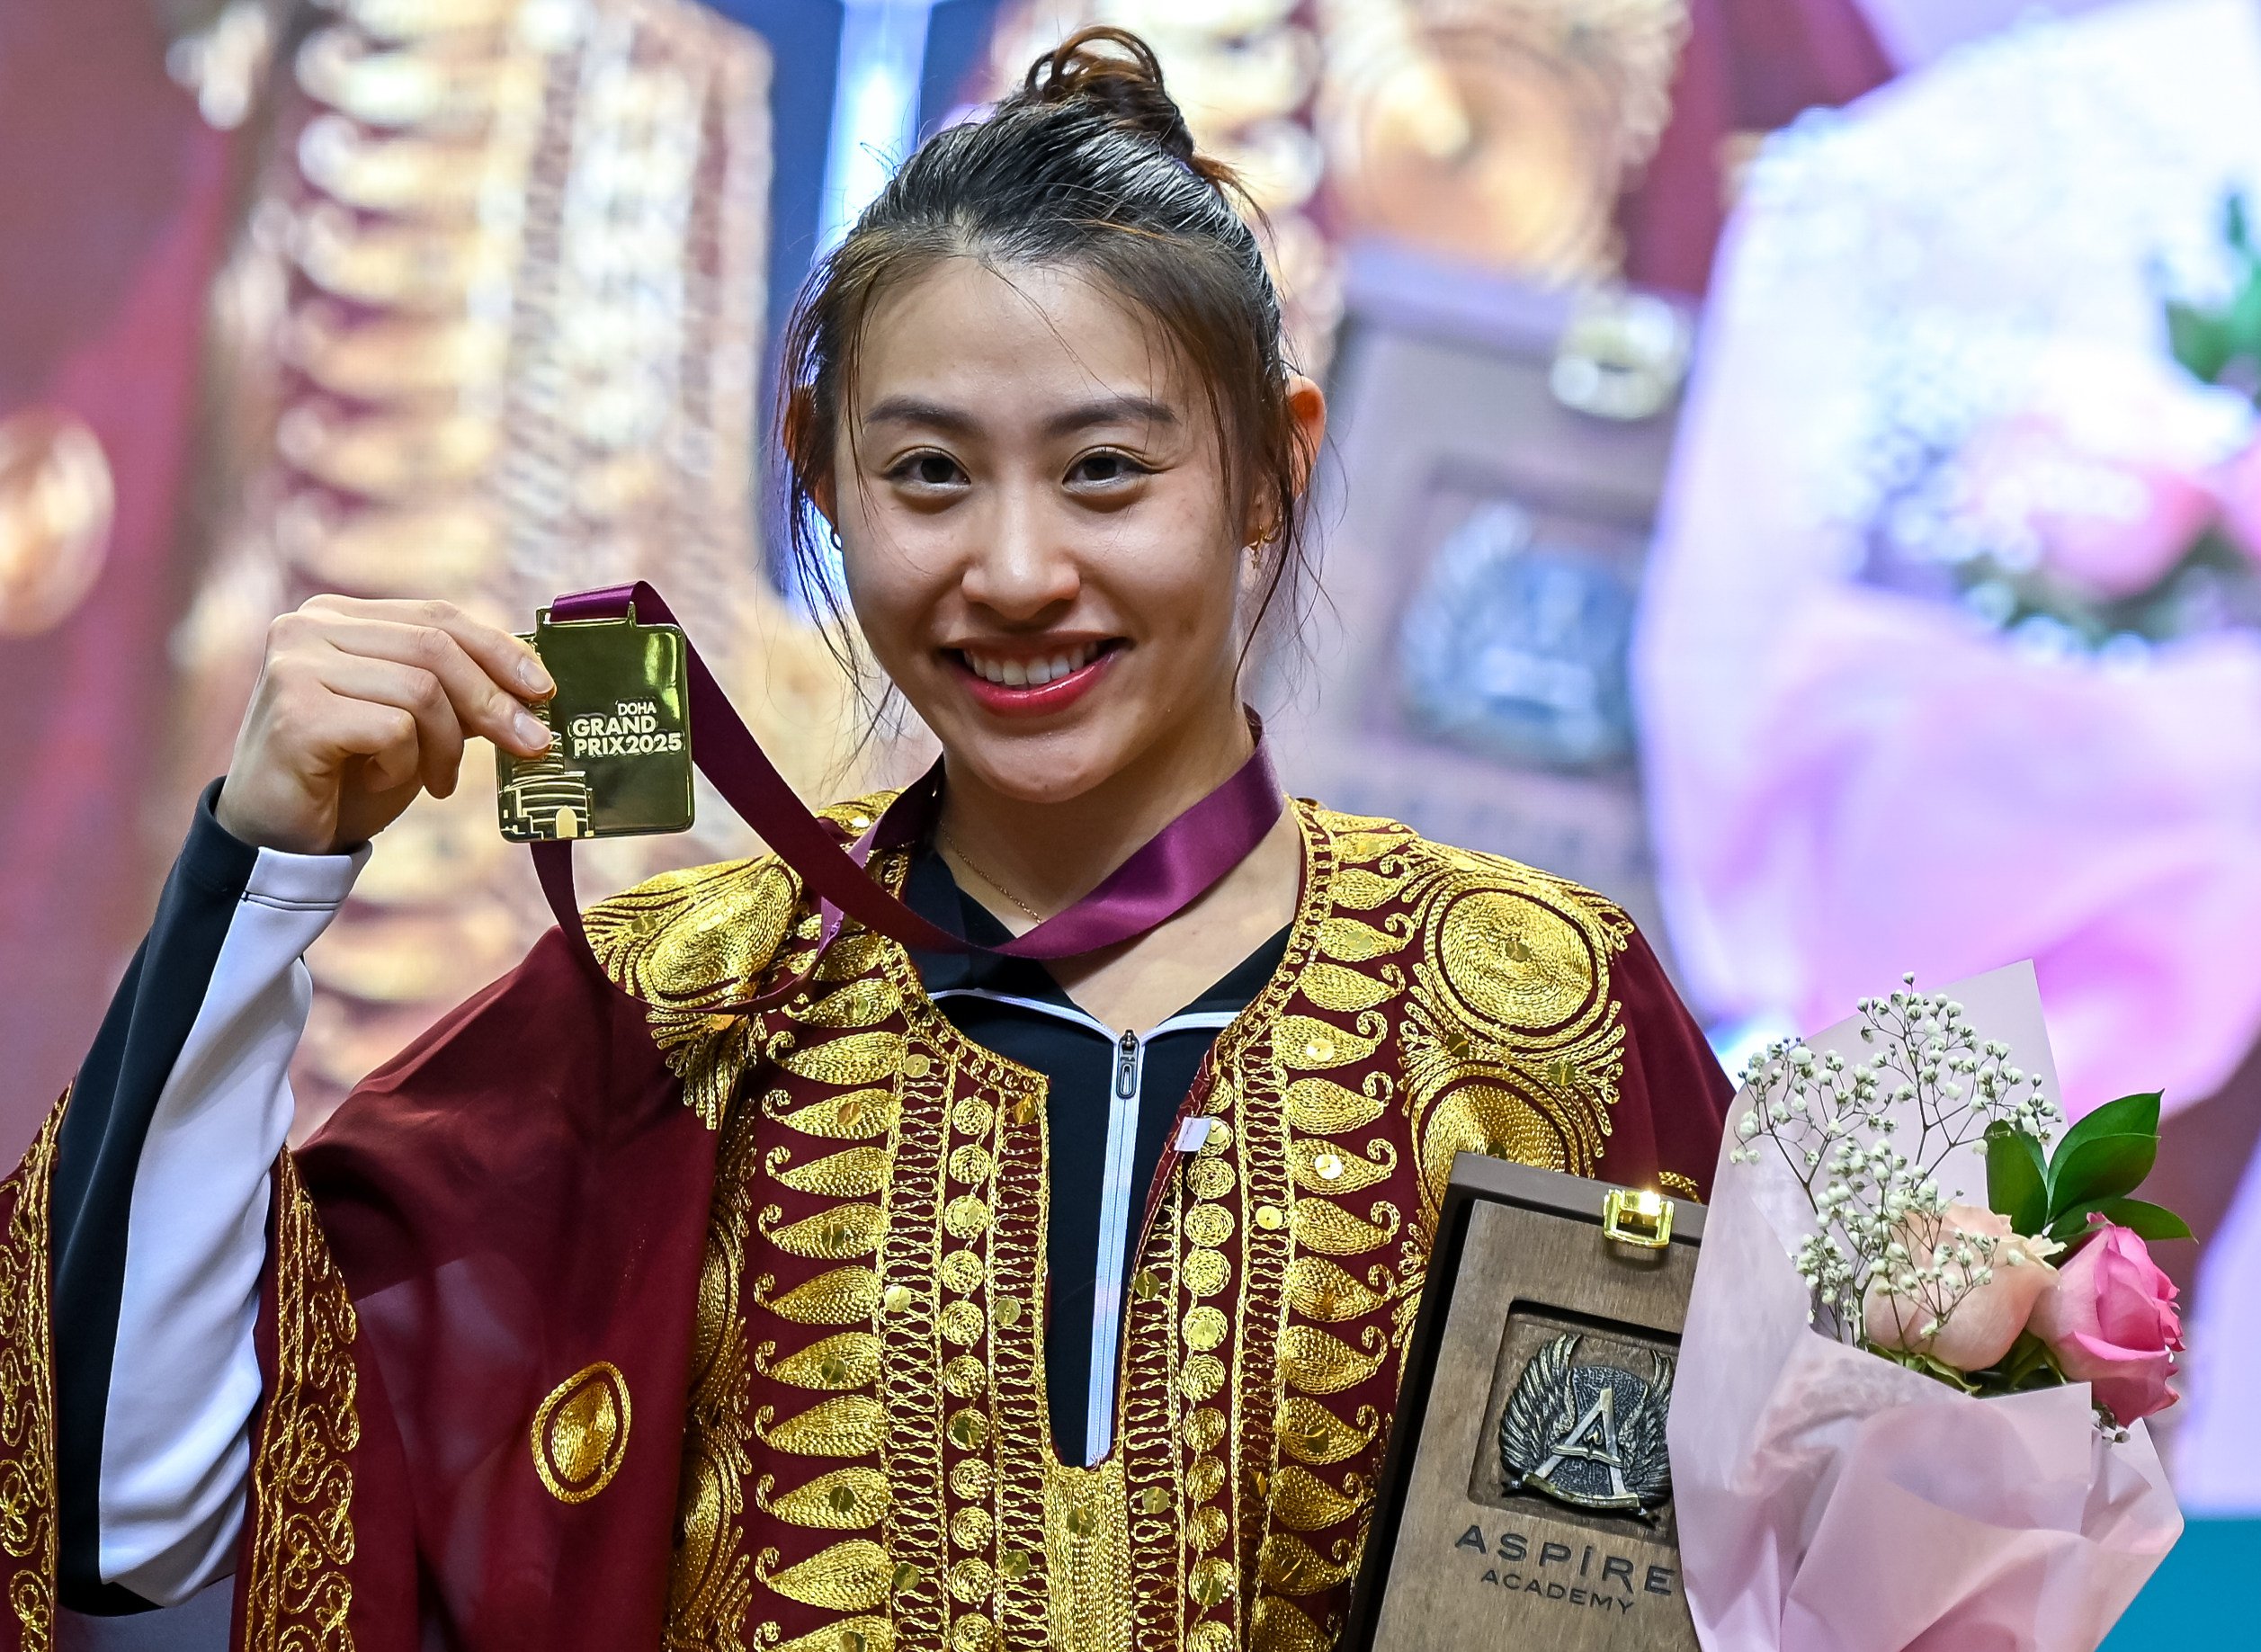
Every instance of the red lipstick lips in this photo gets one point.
(1058, 695)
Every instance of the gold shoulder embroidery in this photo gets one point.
(1513, 1042)
(689, 941)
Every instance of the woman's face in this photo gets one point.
(1035, 530)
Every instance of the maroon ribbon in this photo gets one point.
(1168, 873)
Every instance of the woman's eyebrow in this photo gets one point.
(1111, 410)
(916, 410)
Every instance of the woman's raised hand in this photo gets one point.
(359, 705)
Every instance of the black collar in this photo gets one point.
(930, 890)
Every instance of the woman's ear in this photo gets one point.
(1307, 411)
(1307, 423)
(809, 452)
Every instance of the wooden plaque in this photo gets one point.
(1537, 1333)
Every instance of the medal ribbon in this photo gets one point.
(1173, 869)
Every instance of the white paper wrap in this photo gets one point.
(1831, 1500)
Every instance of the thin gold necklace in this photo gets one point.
(974, 866)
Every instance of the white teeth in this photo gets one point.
(1030, 673)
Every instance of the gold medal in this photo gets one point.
(619, 762)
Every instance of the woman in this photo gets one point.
(944, 1299)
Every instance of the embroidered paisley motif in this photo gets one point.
(843, 1297)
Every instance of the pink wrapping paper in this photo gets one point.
(1832, 1501)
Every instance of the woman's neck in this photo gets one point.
(1049, 855)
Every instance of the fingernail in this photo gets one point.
(530, 731)
(535, 679)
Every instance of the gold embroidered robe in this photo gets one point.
(601, 1322)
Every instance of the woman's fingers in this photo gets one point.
(506, 660)
(384, 737)
(482, 704)
(437, 736)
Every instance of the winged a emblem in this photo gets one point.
(1592, 1436)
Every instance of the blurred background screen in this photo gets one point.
(1794, 469)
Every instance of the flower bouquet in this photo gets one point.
(1921, 1343)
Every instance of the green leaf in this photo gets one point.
(2146, 1221)
(2130, 1115)
(2016, 1177)
(2101, 1168)
(2200, 342)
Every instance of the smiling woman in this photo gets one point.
(952, 1300)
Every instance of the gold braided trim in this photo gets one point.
(27, 1393)
(298, 1594)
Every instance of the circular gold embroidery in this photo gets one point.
(1514, 962)
(1204, 1479)
(1204, 1428)
(1209, 1178)
(973, 1633)
(962, 1322)
(971, 1580)
(1205, 1272)
(1208, 1224)
(965, 1376)
(972, 1527)
(580, 1433)
(1207, 1527)
(1210, 1636)
(1203, 1375)
(961, 1270)
(971, 1117)
(971, 1163)
(972, 1478)
(1204, 1329)
(1211, 1581)
(966, 1217)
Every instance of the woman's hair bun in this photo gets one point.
(1116, 73)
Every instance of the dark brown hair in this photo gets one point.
(1088, 164)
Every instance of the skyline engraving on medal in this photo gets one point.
(1590, 1436)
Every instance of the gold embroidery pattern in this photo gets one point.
(710, 1588)
(580, 1433)
(1429, 1000)
(968, 1455)
(27, 1397)
(1202, 1336)
(298, 1594)
(1087, 1540)
(1512, 1044)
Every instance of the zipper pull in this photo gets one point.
(1127, 1066)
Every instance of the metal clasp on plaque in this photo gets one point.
(1635, 1215)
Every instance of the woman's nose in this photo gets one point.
(1021, 565)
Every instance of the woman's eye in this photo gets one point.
(1105, 466)
(928, 470)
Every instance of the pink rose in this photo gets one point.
(2012, 1273)
(2103, 479)
(2111, 1322)
(2107, 525)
